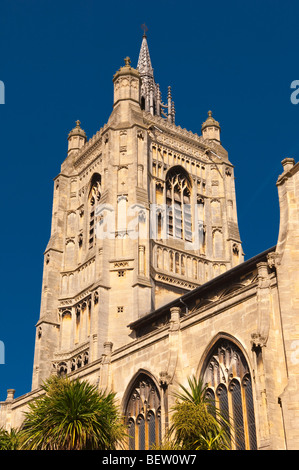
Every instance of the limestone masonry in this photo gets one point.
(144, 279)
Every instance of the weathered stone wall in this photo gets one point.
(287, 262)
(173, 352)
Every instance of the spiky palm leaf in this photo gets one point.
(212, 441)
(196, 394)
(72, 415)
(9, 440)
(196, 423)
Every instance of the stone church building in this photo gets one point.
(144, 280)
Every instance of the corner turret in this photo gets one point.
(76, 139)
(210, 129)
(126, 83)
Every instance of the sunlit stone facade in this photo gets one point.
(144, 279)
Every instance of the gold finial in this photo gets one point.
(78, 123)
(127, 61)
(210, 113)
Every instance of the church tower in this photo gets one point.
(143, 212)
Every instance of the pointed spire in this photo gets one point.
(173, 112)
(148, 85)
(151, 99)
(144, 65)
(169, 102)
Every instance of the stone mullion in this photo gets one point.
(230, 419)
(137, 434)
(166, 260)
(166, 213)
(172, 209)
(182, 213)
(141, 254)
(146, 430)
(245, 418)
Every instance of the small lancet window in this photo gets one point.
(93, 199)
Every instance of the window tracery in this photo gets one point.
(71, 363)
(178, 202)
(228, 379)
(94, 197)
(143, 414)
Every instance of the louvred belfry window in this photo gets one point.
(227, 376)
(143, 414)
(178, 202)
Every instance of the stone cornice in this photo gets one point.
(183, 135)
(66, 355)
(207, 291)
(78, 268)
(45, 321)
(288, 173)
(91, 145)
(174, 130)
(173, 280)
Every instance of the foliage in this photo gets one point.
(217, 440)
(72, 415)
(197, 393)
(196, 423)
(10, 440)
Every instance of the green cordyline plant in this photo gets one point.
(10, 440)
(195, 422)
(72, 415)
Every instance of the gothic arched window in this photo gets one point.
(142, 413)
(93, 198)
(62, 369)
(227, 376)
(178, 202)
(66, 330)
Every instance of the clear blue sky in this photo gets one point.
(57, 61)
